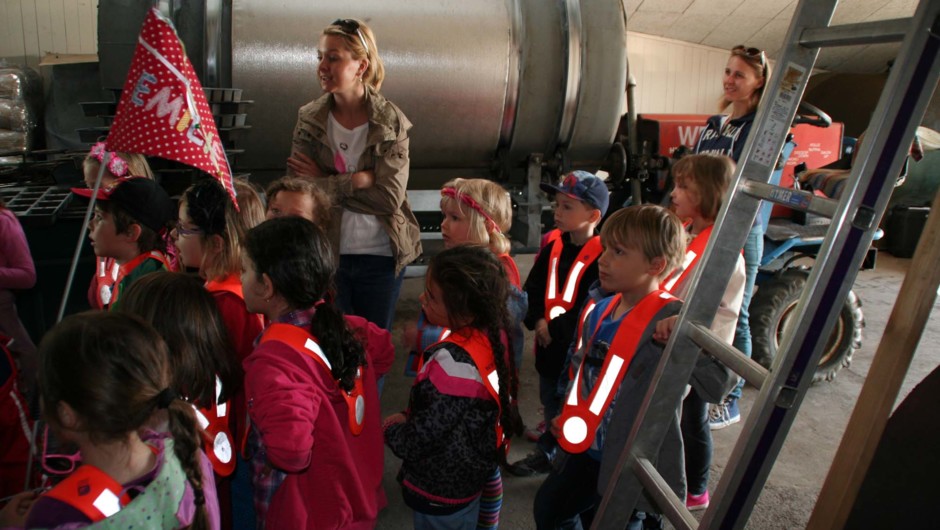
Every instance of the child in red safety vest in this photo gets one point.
(120, 165)
(317, 443)
(205, 372)
(701, 183)
(458, 418)
(130, 226)
(208, 237)
(557, 287)
(104, 377)
(613, 360)
(479, 212)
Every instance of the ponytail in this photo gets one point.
(340, 345)
(186, 446)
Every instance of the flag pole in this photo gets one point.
(81, 235)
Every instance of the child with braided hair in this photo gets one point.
(452, 435)
(104, 378)
(479, 212)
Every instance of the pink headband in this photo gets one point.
(471, 202)
(116, 165)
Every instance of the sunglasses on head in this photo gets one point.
(753, 53)
(351, 27)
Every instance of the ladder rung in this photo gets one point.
(875, 32)
(803, 201)
(750, 370)
(666, 499)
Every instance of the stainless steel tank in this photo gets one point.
(479, 79)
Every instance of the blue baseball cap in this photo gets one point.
(583, 186)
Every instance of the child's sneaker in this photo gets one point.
(535, 463)
(696, 502)
(724, 414)
(533, 435)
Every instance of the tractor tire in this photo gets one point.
(774, 303)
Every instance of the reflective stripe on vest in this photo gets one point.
(302, 341)
(692, 255)
(92, 492)
(580, 418)
(106, 280)
(478, 346)
(218, 442)
(556, 305)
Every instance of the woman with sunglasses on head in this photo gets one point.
(746, 75)
(353, 143)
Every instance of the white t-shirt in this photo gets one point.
(359, 233)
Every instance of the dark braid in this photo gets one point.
(113, 370)
(298, 258)
(187, 442)
(476, 290)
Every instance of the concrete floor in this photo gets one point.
(791, 490)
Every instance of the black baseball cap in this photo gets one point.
(142, 198)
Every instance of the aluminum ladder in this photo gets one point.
(854, 220)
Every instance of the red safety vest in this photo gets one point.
(302, 341)
(108, 270)
(92, 492)
(478, 346)
(126, 269)
(230, 284)
(560, 302)
(218, 443)
(692, 254)
(580, 418)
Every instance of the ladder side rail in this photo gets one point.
(899, 111)
(760, 154)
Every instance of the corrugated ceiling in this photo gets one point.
(763, 24)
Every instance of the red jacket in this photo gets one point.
(334, 479)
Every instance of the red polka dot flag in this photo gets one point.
(163, 110)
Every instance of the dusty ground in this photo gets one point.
(790, 493)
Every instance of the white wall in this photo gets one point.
(29, 29)
(674, 76)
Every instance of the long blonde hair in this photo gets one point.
(361, 42)
(492, 199)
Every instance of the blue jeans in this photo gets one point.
(367, 286)
(753, 251)
(697, 442)
(463, 519)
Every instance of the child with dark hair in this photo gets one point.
(130, 225)
(104, 377)
(451, 437)
(205, 371)
(208, 237)
(120, 165)
(318, 455)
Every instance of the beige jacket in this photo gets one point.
(386, 154)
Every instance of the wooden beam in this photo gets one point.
(882, 386)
